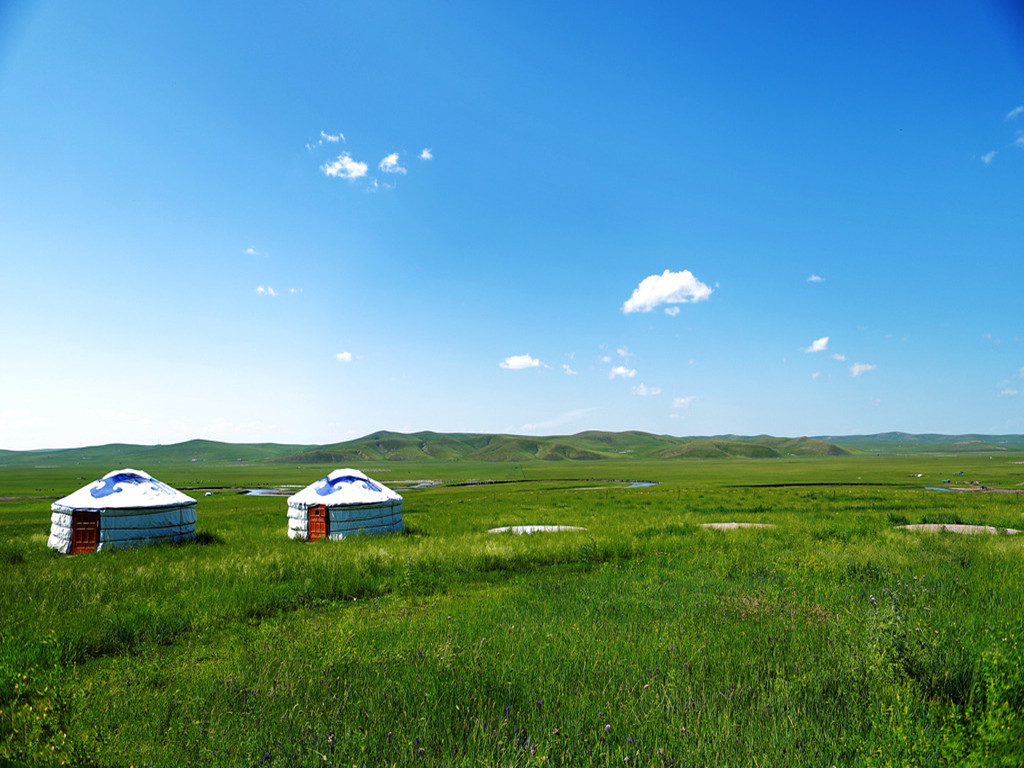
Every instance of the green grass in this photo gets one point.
(830, 638)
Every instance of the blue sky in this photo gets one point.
(260, 222)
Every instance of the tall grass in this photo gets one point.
(645, 639)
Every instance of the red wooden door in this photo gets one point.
(85, 531)
(319, 525)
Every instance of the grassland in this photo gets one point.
(829, 639)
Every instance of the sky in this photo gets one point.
(304, 223)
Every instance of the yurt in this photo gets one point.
(345, 503)
(126, 508)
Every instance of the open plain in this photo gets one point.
(829, 638)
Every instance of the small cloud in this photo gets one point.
(839, 357)
(623, 371)
(645, 391)
(860, 368)
(605, 359)
(815, 375)
(1014, 113)
(683, 402)
(818, 345)
(624, 352)
(666, 288)
(1009, 392)
(988, 157)
(426, 154)
(815, 279)
(294, 290)
(558, 421)
(672, 311)
(265, 290)
(252, 252)
(519, 362)
(569, 371)
(344, 167)
(343, 357)
(390, 164)
(333, 138)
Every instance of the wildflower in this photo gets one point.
(607, 727)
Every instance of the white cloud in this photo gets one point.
(426, 154)
(569, 371)
(644, 391)
(252, 252)
(332, 137)
(122, 417)
(623, 371)
(605, 358)
(344, 357)
(988, 157)
(683, 402)
(265, 290)
(1014, 113)
(390, 164)
(344, 167)
(859, 368)
(839, 357)
(557, 421)
(1009, 392)
(1019, 141)
(672, 311)
(666, 288)
(815, 279)
(624, 352)
(815, 375)
(519, 362)
(294, 290)
(818, 345)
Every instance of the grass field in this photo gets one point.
(828, 639)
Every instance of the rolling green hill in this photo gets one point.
(584, 446)
(123, 455)
(459, 446)
(893, 443)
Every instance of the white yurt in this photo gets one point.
(345, 503)
(126, 508)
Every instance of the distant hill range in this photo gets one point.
(584, 446)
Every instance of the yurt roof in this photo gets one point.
(124, 489)
(341, 487)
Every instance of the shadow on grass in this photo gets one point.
(206, 538)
